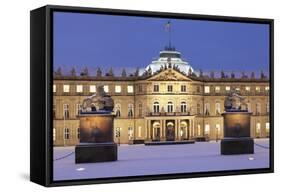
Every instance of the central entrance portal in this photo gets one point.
(170, 131)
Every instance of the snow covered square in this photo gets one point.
(138, 160)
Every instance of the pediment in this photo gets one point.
(169, 75)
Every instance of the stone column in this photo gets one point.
(164, 128)
(161, 130)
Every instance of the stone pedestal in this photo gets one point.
(237, 139)
(96, 139)
(95, 152)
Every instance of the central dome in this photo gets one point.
(169, 55)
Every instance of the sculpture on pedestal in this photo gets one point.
(237, 124)
(96, 129)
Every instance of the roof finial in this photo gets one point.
(168, 28)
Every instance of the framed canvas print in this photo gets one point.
(119, 95)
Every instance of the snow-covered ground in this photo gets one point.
(162, 159)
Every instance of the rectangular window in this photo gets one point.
(267, 128)
(217, 89)
(139, 131)
(130, 133)
(130, 88)
(65, 111)
(79, 88)
(258, 89)
(199, 130)
(156, 88)
(258, 129)
(207, 89)
(247, 88)
(78, 109)
(117, 88)
(140, 88)
(227, 88)
(54, 88)
(207, 129)
(237, 89)
(267, 88)
(105, 88)
(183, 88)
(198, 89)
(66, 133)
(170, 88)
(92, 88)
(66, 88)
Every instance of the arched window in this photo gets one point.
(156, 107)
(130, 110)
(118, 110)
(183, 107)
(207, 109)
(170, 107)
(198, 108)
(258, 108)
(218, 108)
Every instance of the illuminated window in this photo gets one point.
(156, 107)
(267, 128)
(207, 89)
(117, 88)
(65, 111)
(54, 88)
(105, 88)
(66, 88)
(79, 88)
(66, 133)
(156, 88)
(227, 88)
(170, 107)
(54, 134)
(183, 107)
(258, 89)
(92, 88)
(267, 88)
(237, 89)
(258, 129)
(139, 131)
(130, 88)
(218, 128)
(78, 133)
(170, 88)
(199, 129)
(217, 89)
(207, 129)
(130, 133)
(183, 88)
(247, 88)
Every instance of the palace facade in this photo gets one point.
(168, 100)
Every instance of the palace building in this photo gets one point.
(168, 100)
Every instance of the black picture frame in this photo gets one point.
(41, 76)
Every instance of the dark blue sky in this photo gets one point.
(128, 42)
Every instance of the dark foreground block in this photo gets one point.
(232, 146)
(95, 152)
